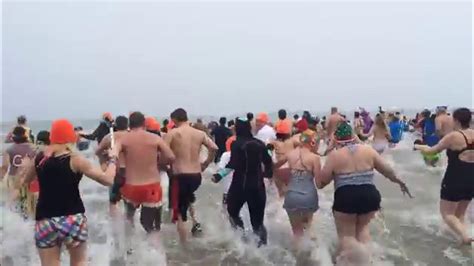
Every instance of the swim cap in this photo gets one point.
(263, 117)
(344, 132)
(62, 132)
(307, 136)
(107, 116)
(283, 126)
(228, 143)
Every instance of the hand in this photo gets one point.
(216, 178)
(404, 189)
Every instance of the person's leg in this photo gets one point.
(130, 212)
(78, 255)
(50, 256)
(296, 222)
(256, 201)
(235, 202)
(461, 210)
(346, 229)
(448, 212)
(147, 218)
(362, 227)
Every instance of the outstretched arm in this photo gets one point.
(211, 151)
(106, 178)
(167, 155)
(441, 146)
(327, 171)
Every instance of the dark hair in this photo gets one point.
(121, 123)
(222, 121)
(356, 114)
(231, 123)
(165, 122)
(79, 128)
(282, 137)
(296, 117)
(21, 120)
(179, 115)
(463, 116)
(43, 137)
(282, 114)
(136, 120)
(243, 128)
(19, 135)
(250, 116)
(426, 113)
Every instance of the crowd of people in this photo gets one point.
(250, 152)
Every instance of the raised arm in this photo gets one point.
(106, 178)
(441, 146)
(94, 134)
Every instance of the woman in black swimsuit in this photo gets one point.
(457, 188)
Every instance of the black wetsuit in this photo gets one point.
(458, 181)
(220, 134)
(100, 132)
(247, 156)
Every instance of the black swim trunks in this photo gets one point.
(357, 199)
(181, 196)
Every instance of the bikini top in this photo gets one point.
(355, 178)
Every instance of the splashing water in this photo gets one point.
(410, 231)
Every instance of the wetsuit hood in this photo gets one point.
(243, 128)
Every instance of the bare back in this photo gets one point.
(284, 147)
(332, 123)
(186, 143)
(344, 161)
(444, 124)
(140, 150)
(380, 133)
(303, 159)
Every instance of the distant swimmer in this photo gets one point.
(358, 125)
(381, 134)
(220, 134)
(457, 187)
(60, 218)
(444, 122)
(356, 199)
(334, 119)
(368, 122)
(265, 132)
(301, 199)
(21, 122)
(142, 187)
(12, 165)
(186, 143)
(247, 156)
(121, 127)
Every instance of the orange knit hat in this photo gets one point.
(263, 117)
(283, 126)
(62, 132)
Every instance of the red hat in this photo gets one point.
(149, 121)
(62, 132)
(302, 125)
(263, 117)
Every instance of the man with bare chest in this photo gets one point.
(142, 178)
(186, 143)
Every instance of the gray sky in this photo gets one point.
(78, 60)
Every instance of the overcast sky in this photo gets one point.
(78, 60)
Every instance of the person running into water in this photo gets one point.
(21, 122)
(301, 199)
(121, 127)
(381, 134)
(396, 129)
(283, 145)
(265, 132)
(246, 159)
(60, 214)
(12, 166)
(221, 134)
(186, 143)
(457, 187)
(356, 199)
(444, 123)
(334, 119)
(223, 171)
(102, 130)
(142, 186)
(358, 125)
(368, 122)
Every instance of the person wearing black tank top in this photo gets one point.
(457, 188)
(60, 212)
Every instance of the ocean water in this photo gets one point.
(409, 231)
